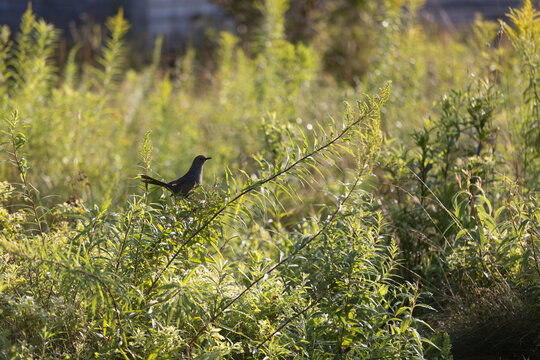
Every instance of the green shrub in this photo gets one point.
(151, 280)
(462, 203)
(318, 237)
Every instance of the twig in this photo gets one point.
(288, 321)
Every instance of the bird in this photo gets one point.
(186, 183)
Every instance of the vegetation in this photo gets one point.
(385, 209)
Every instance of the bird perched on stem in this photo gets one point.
(186, 183)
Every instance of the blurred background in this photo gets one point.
(183, 21)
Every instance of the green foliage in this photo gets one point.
(455, 196)
(524, 36)
(318, 237)
(154, 280)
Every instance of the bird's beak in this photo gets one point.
(208, 158)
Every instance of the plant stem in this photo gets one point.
(22, 172)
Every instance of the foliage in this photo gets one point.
(456, 195)
(526, 128)
(405, 227)
(154, 281)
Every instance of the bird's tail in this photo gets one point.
(148, 180)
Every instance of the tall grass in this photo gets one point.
(322, 229)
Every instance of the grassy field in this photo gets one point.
(373, 192)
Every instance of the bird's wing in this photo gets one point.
(177, 185)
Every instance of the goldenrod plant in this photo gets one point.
(384, 205)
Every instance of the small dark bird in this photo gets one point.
(186, 183)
